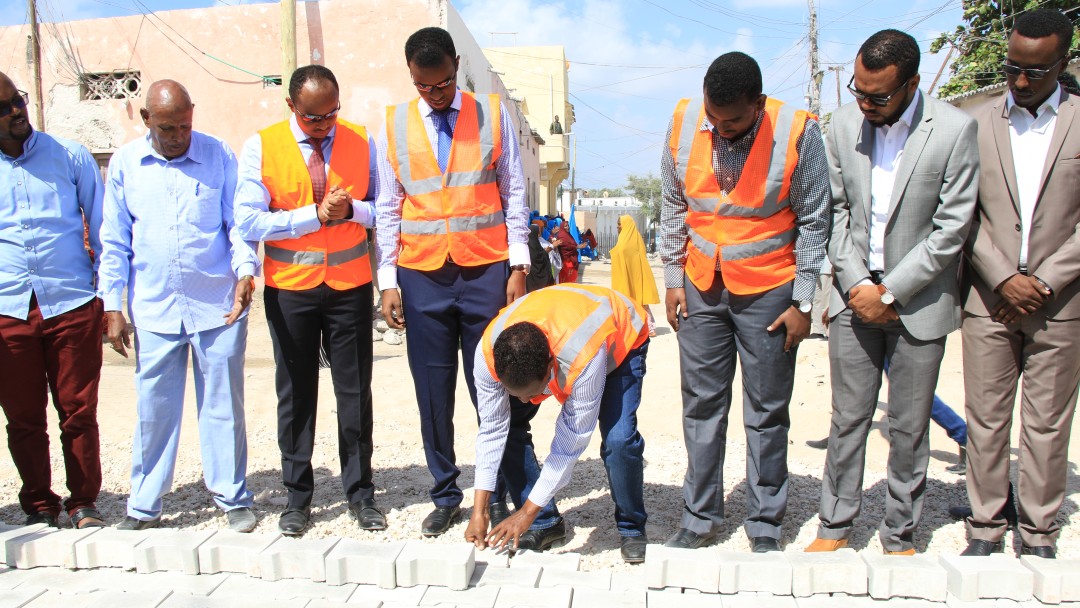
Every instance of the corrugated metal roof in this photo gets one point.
(988, 88)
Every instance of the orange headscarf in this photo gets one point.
(630, 271)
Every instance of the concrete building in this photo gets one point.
(537, 76)
(972, 100)
(94, 72)
(601, 215)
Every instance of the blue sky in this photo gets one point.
(631, 60)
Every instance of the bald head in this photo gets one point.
(167, 115)
(167, 95)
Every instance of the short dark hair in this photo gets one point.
(429, 47)
(733, 77)
(1043, 22)
(891, 47)
(522, 355)
(303, 75)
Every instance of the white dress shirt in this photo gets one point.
(889, 141)
(1030, 138)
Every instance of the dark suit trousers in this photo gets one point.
(722, 324)
(341, 321)
(857, 355)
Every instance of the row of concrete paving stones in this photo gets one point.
(49, 568)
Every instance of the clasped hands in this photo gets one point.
(865, 301)
(336, 205)
(1021, 295)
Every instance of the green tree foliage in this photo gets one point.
(647, 190)
(981, 42)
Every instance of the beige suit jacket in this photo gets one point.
(993, 247)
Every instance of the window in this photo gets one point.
(121, 84)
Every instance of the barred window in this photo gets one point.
(121, 84)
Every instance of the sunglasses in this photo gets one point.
(877, 100)
(1031, 73)
(18, 102)
(426, 88)
(316, 117)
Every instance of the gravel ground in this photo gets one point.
(402, 479)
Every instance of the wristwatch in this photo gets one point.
(886, 296)
(521, 268)
(804, 306)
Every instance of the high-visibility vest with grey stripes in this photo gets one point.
(337, 253)
(576, 320)
(749, 232)
(458, 214)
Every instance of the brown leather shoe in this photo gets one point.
(910, 551)
(822, 545)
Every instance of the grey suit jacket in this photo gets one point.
(930, 212)
(993, 248)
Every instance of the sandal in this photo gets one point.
(87, 517)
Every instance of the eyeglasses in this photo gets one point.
(19, 101)
(425, 88)
(316, 117)
(877, 100)
(1031, 73)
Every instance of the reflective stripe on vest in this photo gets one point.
(457, 224)
(315, 258)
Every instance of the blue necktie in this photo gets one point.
(446, 136)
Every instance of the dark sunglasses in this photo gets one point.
(1031, 73)
(19, 101)
(316, 117)
(877, 100)
(425, 88)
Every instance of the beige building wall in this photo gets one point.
(538, 76)
(362, 41)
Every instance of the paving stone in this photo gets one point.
(522, 576)
(329, 604)
(18, 598)
(13, 577)
(511, 596)
(1056, 580)
(594, 598)
(66, 581)
(629, 581)
(173, 550)
(913, 576)
(101, 599)
(247, 587)
(751, 599)
(493, 559)
(993, 576)
(193, 601)
(229, 551)
(578, 580)
(954, 602)
(109, 548)
(838, 600)
(421, 563)
(769, 572)
(663, 599)
(692, 568)
(480, 597)
(366, 595)
(46, 547)
(10, 532)
(840, 571)
(296, 558)
(180, 583)
(547, 561)
(352, 561)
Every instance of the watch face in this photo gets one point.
(805, 306)
(887, 298)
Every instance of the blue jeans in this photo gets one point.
(946, 418)
(621, 446)
(520, 469)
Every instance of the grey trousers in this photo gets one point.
(721, 324)
(857, 352)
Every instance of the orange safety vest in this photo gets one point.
(749, 231)
(337, 253)
(457, 215)
(577, 320)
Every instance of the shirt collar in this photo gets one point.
(1052, 103)
(301, 137)
(908, 116)
(426, 110)
(194, 152)
(748, 136)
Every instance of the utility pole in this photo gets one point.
(35, 65)
(815, 72)
(838, 69)
(288, 43)
(948, 56)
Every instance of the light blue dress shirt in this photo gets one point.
(168, 236)
(46, 193)
(253, 215)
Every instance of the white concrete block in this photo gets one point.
(993, 576)
(478, 597)
(663, 599)
(229, 551)
(600, 580)
(529, 597)
(691, 568)
(173, 550)
(1056, 580)
(839, 600)
(595, 598)
(18, 598)
(329, 604)
(954, 602)
(13, 577)
(10, 532)
(180, 583)
(752, 599)
(769, 572)
(296, 558)
(493, 559)
(421, 563)
(366, 595)
(352, 561)
(46, 547)
(547, 561)
(631, 581)
(295, 589)
(828, 572)
(64, 580)
(194, 601)
(109, 548)
(101, 599)
(522, 576)
(913, 576)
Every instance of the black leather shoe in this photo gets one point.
(633, 548)
(497, 512)
(368, 515)
(818, 444)
(131, 523)
(1043, 551)
(764, 544)
(440, 520)
(43, 517)
(293, 522)
(685, 539)
(541, 540)
(982, 548)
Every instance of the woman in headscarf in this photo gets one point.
(540, 268)
(568, 249)
(630, 271)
